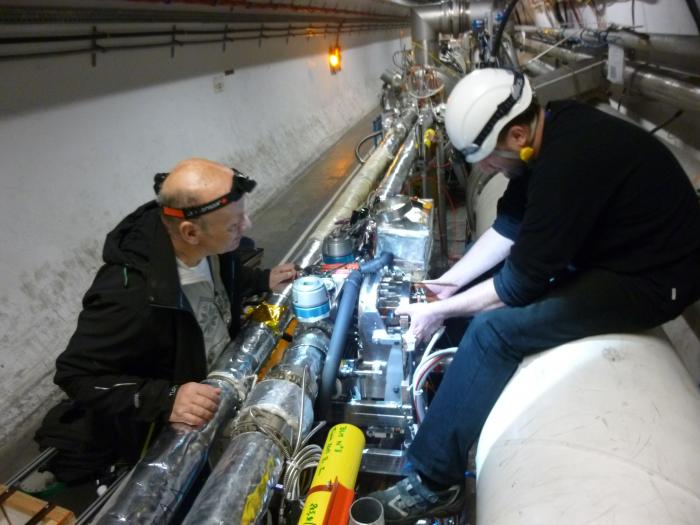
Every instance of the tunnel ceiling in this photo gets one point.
(206, 11)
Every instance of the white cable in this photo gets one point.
(423, 364)
(437, 335)
(307, 458)
(421, 375)
(302, 456)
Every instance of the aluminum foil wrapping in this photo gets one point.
(282, 399)
(161, 479)
(308, 351)
(365, 181)
(240, 488)
(400, 168)
(245, 355)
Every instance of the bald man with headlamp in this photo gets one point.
(164, 305)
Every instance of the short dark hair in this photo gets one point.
(526, 117)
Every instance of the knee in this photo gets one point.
(490, 335)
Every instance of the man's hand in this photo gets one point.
(281, 276)
(425, 320)
(195, 404)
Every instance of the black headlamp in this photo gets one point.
(241, 185)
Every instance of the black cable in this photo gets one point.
(557, 13)
(359, 145)
(695, 11)
(667, 122)
(633, 21)
(499, 33)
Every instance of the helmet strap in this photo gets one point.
(505, 154)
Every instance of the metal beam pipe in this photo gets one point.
(644, 81)
(547, 50)
(356, 193)
(400, 167)
(538, 67)
(680, 45)
(675, 91)
(673, 50)
(424, 38)
(428, 20)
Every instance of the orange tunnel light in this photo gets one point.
(334, 58)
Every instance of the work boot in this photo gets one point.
(410, 500)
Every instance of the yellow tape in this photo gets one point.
(268, 314)
(429, 137)
(254, 500)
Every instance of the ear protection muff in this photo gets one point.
(526, 153)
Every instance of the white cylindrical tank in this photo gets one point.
(604, 430)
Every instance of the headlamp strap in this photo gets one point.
(240, 186)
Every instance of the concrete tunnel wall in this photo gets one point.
(79, 146)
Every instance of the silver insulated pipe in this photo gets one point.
(160, 480)
(273, 422)
(429, 20)
(653, 83)
(676, 51)
(356, 193)
(399, 169)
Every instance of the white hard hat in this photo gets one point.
(480, 105)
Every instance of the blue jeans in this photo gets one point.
(590, 303)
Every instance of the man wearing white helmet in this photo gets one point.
(598, 232)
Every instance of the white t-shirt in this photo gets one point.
(207, 297)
